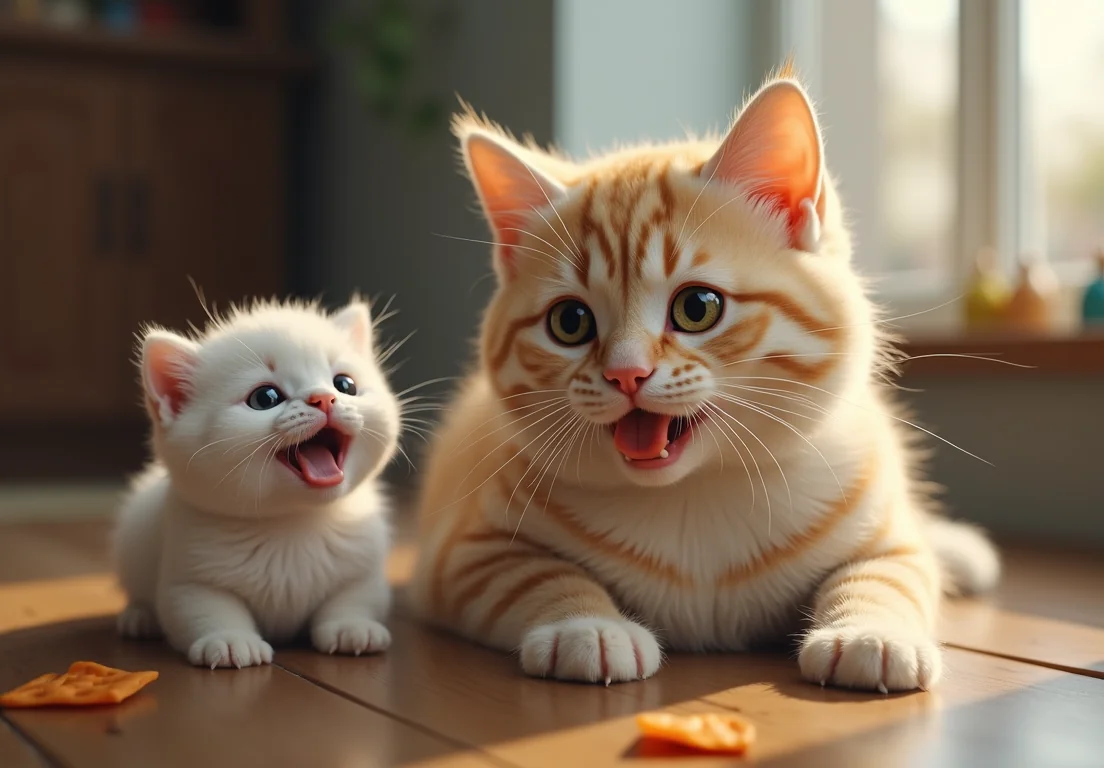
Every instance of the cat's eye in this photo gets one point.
(571, 322)
(696, 309)
(345, 384)
(264, 397)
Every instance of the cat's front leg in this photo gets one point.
(513, 594)
(213, 627)
(348, 622)
(874, 623)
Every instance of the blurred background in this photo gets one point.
(263, 147)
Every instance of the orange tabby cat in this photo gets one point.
(677, 436)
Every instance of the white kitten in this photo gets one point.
(261, 516)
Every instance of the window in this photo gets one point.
(1062, 99)
(918, 100)
(989, 132)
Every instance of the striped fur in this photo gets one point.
(793, 506)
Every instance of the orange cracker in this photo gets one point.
(709, 732)
(85, 684)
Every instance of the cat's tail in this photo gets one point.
(970, 562)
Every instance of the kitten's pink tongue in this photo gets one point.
(641, 435)
(318, 466)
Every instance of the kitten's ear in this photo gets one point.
(775, 151)
(355, 318)
(168, 361)
(509, 188)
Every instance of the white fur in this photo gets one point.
(221, 547)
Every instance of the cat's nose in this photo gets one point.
(323, 401)
(628, 380)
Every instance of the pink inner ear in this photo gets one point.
(165, 365)
(774, 150)
(509, 188)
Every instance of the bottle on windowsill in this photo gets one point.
(987, 293)
(1031, 309)
(1092, 304)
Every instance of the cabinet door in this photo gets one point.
(208, 194)
(63, 354)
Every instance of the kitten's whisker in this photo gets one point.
(561, 439)
(693, 205)
(408, 390)
(890, 320)
(394, 347)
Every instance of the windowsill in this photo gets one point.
(1077, 354)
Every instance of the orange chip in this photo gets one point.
(86, 683)
(710, 732)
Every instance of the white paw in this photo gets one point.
(593, 650)
(138, 621)
(355, 636)
(232, 648)
(871, 658)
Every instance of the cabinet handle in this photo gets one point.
(139, 219)
(105, 229)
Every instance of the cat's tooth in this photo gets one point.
(626, 458)
(664, 454)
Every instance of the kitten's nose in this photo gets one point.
(323, 401)
(628, 380)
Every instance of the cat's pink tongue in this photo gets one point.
(641, 435)
(318, 465)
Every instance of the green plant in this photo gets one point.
(387, 42)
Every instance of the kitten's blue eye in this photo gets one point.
(345, 384)
(264, 397)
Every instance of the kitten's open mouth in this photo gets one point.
(652, 440)
(319, 460)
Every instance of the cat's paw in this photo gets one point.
(591, 649)
(871, 658)
(354, 635)
(231, 648)
(138, 621)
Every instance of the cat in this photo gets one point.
(678, 436)
(261, 514)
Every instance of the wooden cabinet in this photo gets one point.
(123, 176)
(60, 300)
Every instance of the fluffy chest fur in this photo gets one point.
(282, 569)
(724, 561)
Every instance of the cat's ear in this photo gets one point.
(775, 151)
(355, 318)
(168, 362)
(509, 188)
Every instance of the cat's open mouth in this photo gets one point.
(652, 440)
(320, 460)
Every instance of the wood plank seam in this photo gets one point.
(398, 718)
(1082, 671)
(44, 755)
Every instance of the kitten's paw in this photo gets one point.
(138, 621)
(232, 648)
(871, 658)
(354, 635)
(594, 650)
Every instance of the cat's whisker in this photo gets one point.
(555, 211)
(204, 448)
(564, 424)
(548, 403)
(693, 205)
(560, 438)
(890, 320)
(247, 458)
(712, 410)
(863, 408)
(504, 464)
(781, 472)
(400, 395)
(394, 347)
(756, 407)
(523, 248)
(563, 255)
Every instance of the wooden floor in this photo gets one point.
(1024, 686)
